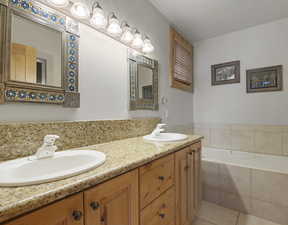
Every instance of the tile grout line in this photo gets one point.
(208, 221)
(238, 218)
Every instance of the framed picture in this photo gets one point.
(225, 73)
(264, 79)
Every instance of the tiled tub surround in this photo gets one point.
(122, 156)
(23, 139)
(256, 184)
(264, 139)
(183, 128)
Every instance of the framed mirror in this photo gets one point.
(39, 54)
(143, 75)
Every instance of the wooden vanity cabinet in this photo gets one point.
(166, 191)
(155, 178)
(161, 211)
(65, 212)
(182, 183)
(188, 183)
(157, 194)
(196, 174)
(115, 202)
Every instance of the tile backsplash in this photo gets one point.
(23, 139)
(266, 139)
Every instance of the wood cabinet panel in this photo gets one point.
(188, 183)
(161, 211)
(181, 62)
(115, 202)
(196, 149)
(65, 212)
(23, 63)
(182, 191)
(155, 178)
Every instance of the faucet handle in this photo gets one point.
(161, 125)
(50, 139)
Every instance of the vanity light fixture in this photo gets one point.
(147, 46)
(98, 18)
(80, 10)
(137, 41)
(59, 3)
(114, 27)
(127, 35)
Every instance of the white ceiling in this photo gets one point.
(203, 19)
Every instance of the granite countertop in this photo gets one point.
(122, 156)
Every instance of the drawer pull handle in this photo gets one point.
(162, 215)
(77, 215)
(102, 219)
(161, 178)
(94, 205)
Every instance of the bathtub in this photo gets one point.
(278, 164)
(251, 183)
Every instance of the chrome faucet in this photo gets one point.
(48, 148)
(159, 128)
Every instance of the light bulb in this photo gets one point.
(147, 46)
(80, 10)
(127, 35)
(114, 27)
(59, 3)
(98, 18)
(137, 41)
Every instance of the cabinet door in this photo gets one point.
(65, 212)
(23, 63)
(191, 185)
(196, 149)
(182, 191)
(115, 202)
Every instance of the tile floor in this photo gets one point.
(212, 214)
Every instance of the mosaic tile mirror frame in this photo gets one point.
(67, 93)
(143, 77)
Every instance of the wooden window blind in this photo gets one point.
(181, 62)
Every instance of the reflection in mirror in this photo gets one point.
(143, 75)
(36, 56)
(145, 82)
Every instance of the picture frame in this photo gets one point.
(225, 73)
(264, 79)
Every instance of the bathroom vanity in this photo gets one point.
(141, 183)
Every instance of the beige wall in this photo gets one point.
(103, 74)
(256, 47)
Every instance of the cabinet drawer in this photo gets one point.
(155, 178)
(161, 211)
(65, 212)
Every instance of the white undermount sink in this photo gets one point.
(29, 170)
(166, 137)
